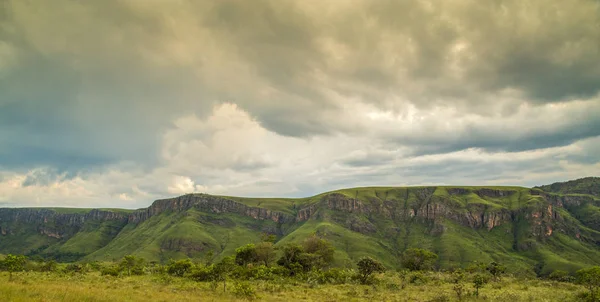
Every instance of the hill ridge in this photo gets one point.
(533, 227)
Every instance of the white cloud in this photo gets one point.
(230, 153)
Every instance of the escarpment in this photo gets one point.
(208, 203)
(389, 218)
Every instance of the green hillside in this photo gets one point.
(532, 231)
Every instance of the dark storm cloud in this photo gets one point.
(92, 87)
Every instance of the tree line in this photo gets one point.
(310, 261)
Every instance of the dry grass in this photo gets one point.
(93, 287)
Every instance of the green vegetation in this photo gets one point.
(418, 259)
(367, 266)
(134, 279)
(590, 278)
(532, 232)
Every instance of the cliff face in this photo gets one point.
(541, 214)
(207, 203)
(52, 223)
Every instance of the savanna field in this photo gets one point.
(300, 274)
(391, 286)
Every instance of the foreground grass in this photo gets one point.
(93, 287)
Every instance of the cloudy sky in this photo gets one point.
(117, 103)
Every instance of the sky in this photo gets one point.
(118, 103)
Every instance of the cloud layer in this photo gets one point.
(116, 103)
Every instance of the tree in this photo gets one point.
(457, 277)
(245, 255)
(180, 267)
(479, 280)
(418, 259)
(264, 237)
(291, 257)
(265, 253)
(496, 270)
(49, 266)
(223, 269)
(560, 276)
(366, 267)
(590, 278)
(14, 263)
(132, 265)
(321, 248)
(209, 257)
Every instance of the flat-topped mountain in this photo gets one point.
(529, 229)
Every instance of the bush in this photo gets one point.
(113, 270)
(367, 266)
(244, 290)
(179, 268)
(496, 270)
(76, 268)
(245, 255)
(590, 278)
(331, 276)
(561, 276)
(203, 274)
(417, 278)
(132, 265)
(479, 280)
(418, 259)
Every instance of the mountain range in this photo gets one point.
(530, 230)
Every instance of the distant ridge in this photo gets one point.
(532, 230)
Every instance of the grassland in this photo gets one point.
(94, 287)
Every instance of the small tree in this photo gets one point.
(132, 265)
(265, 253)
(209, 257)
(590, 278)
(223, 269)
(268, 238)
(457, 277)
(479, 280)
(14, 263)
(321, 248)
(418, 259)
(366, 267)
(560, 276)
(496, 270)
(180, 267)
(291, 255)
(49, 266)
(245, 255)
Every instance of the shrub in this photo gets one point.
(245, 255)
(418, 259)
(479, 280)
(496, 270)
(366, 267)
(417, 278)
(440, 298)
(14, 263)
(590, 278)
(76, 268)
(459, 289)
(179, 268)
(132, 265)
(49, 266)
(244, 290)
(113, 270)
(205, 273)
(561, 276)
